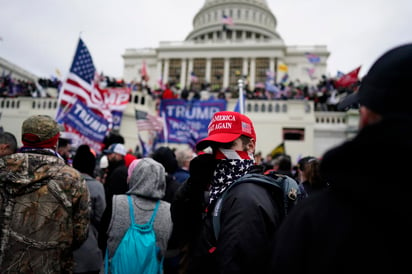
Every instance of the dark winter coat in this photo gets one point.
(362, 223)
(249, 219)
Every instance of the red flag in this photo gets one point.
(348, 79)
(143, 72)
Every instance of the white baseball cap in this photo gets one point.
(115, 148)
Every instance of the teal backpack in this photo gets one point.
(137, 252)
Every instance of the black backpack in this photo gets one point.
(287, 185)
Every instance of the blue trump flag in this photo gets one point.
(84, 125)
(187, 122)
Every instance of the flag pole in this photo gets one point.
(241, 97)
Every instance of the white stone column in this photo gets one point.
(183, 73)
(159, 72)
(166, 71)
(226, 73)
(208, 70)
(252, 73)
(272, 64)
(245, 68)
(190, 69)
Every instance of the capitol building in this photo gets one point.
(220, 54)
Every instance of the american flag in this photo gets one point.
(193, 77)
(311, 72)
(81, 84)
(148, 122)
(312, 58)
(227, 20)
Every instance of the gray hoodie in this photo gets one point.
(147, 185)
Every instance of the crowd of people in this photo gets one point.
(69, 213)
(325, 93)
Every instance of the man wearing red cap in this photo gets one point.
(249, 215)
(44, 204)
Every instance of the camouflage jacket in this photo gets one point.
(44, 213)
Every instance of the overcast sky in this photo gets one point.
(41, 35)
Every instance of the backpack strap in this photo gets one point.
(131, 211)
(248, 178)
(154, 212)
(290, 188)
(106, 261)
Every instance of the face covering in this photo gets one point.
(231, 165)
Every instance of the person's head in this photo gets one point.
(184, 156)
(8, 143)
(311, 173)
(229, 130)
(115, 152)
(40, 131)
(129, 158)
(63, 147)
(301, 166)
(84, 160)
(166, 156)
(113, 137)
(282, 162)
(103, 162)
(148, 179)
(385, 88)
(131, 167)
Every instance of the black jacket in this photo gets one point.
(362, 223)
(249, 218)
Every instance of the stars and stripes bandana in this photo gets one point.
(231, 166)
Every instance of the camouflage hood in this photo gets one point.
(26, 172)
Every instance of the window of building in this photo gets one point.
(262, 65)
(199, 69)
(217, 70)
(174, 70)
(294, 134)
(235, 71)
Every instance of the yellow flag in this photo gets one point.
(280, 149)
(282, 67)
